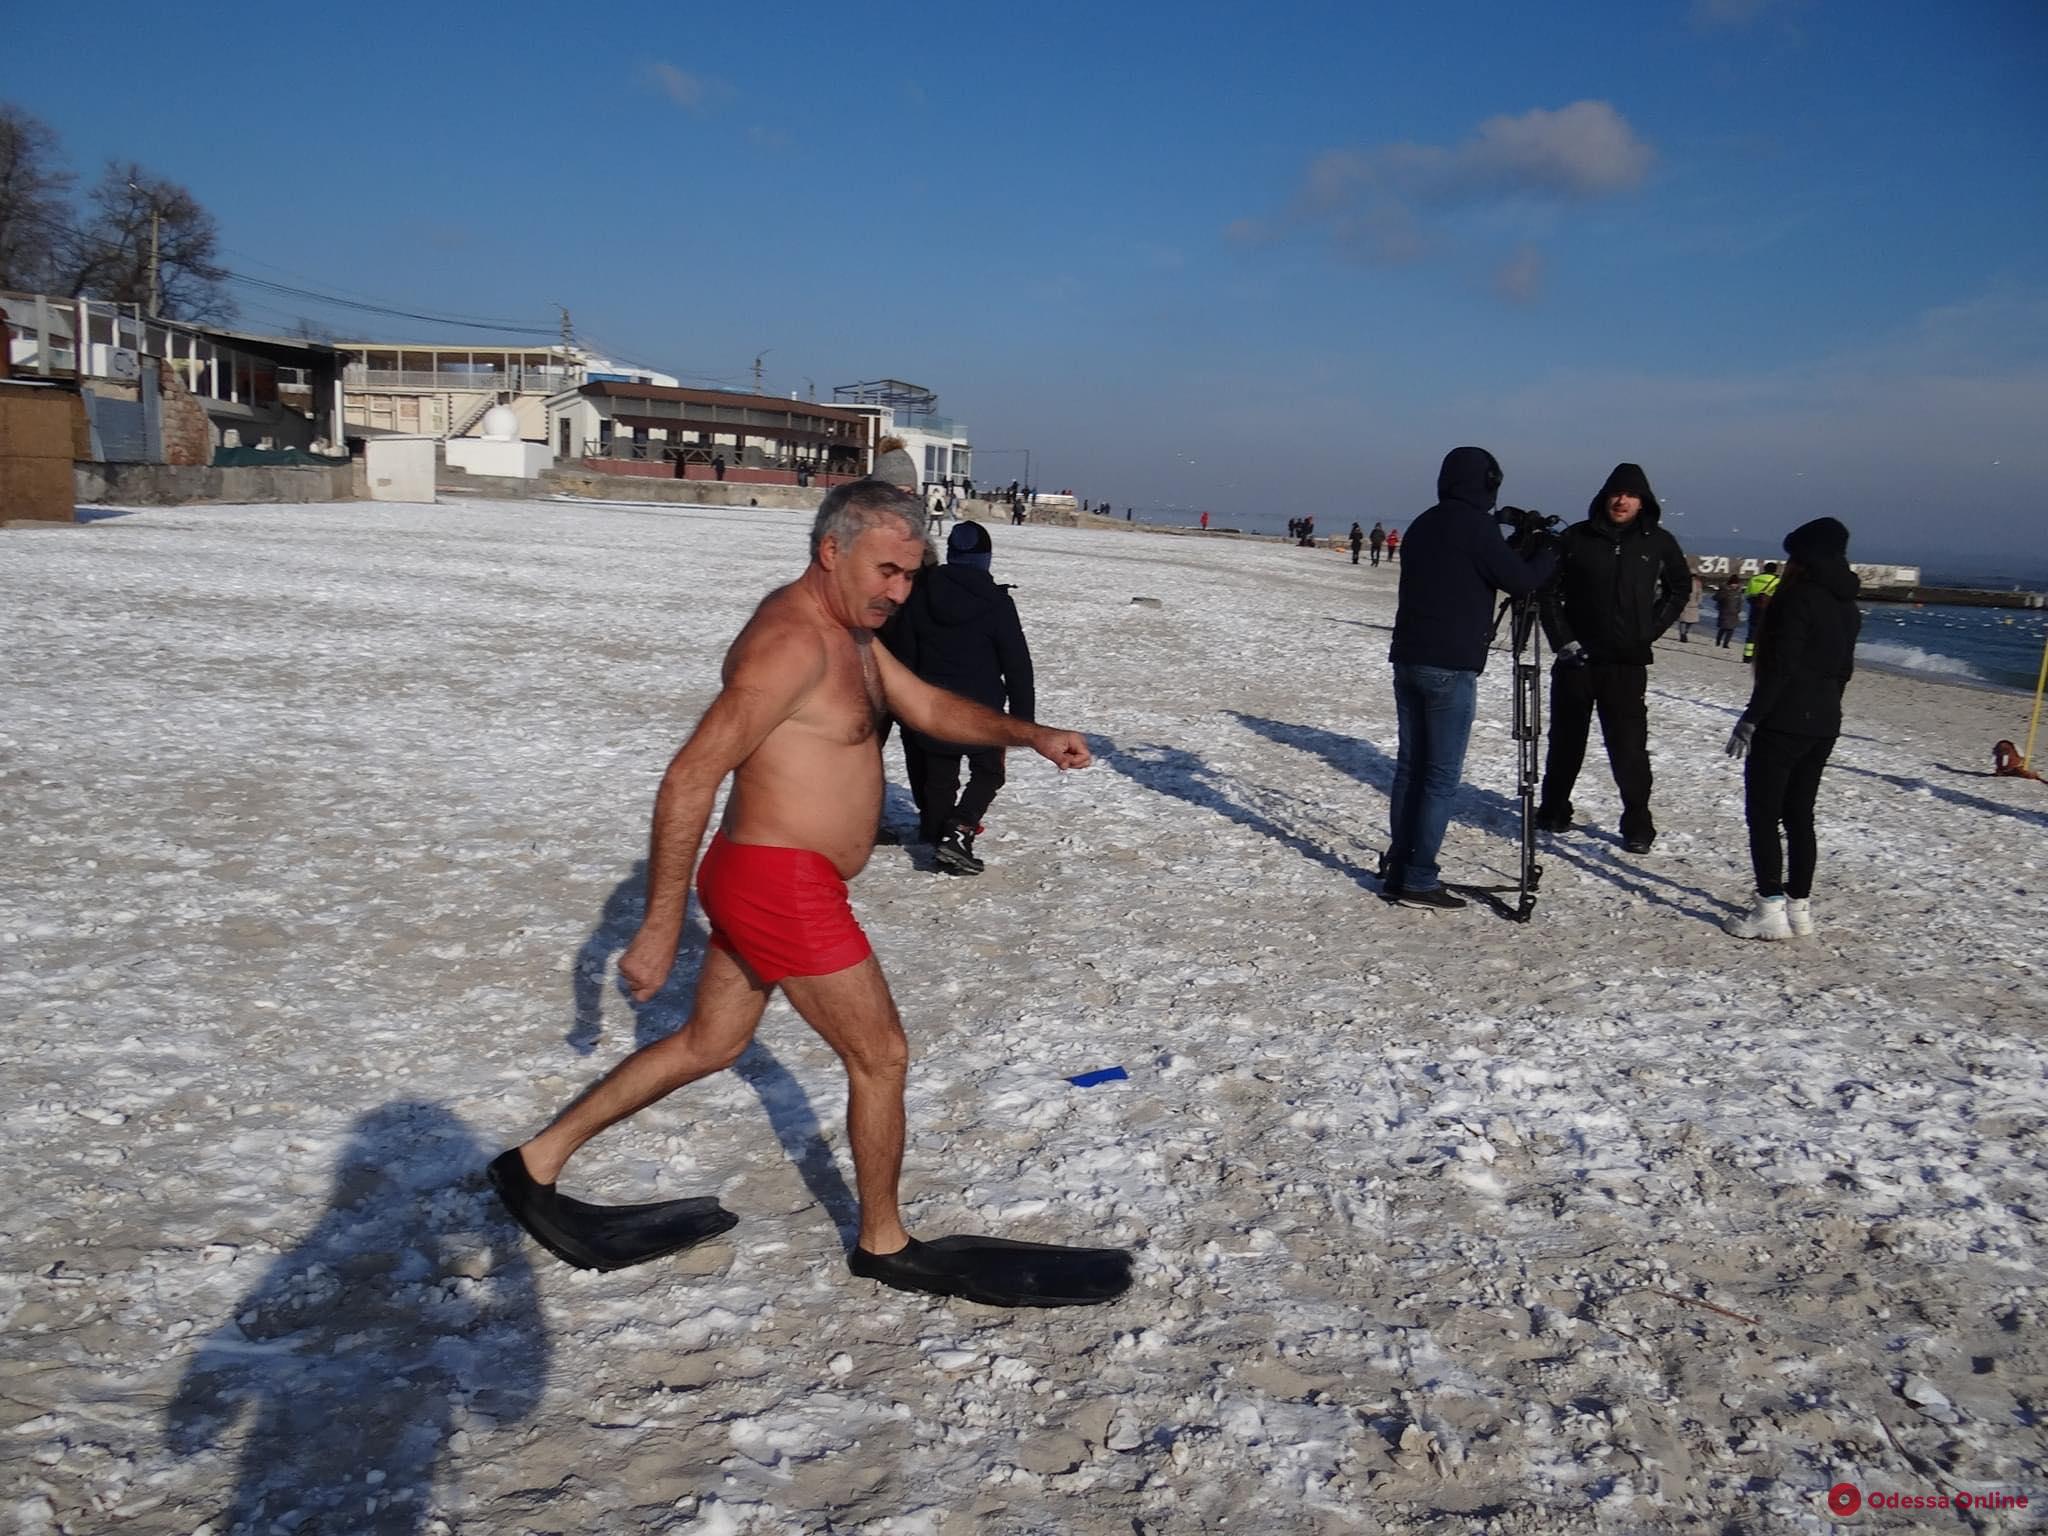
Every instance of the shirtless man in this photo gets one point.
(796, 724)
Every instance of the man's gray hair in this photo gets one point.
(850, 510)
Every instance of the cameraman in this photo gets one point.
(1621, 582)
(1442, 628)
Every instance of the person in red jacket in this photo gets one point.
(1393, 545)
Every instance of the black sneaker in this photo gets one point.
(1437, 900)
(955, 853)
(1641, 842)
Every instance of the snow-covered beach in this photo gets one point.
(323, 827)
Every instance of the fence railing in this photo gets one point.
(522, 381)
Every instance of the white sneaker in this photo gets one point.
(1799, 915)
(1765, 920)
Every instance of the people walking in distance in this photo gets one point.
(718, 465)
(1727, 611)
(1378, 540)
(1393, 546)
(1760, 590)
(1205, 522)
(1804, 659)
(1357, 542)
(1621, 582)
(1443, 623)
(959, 631)
(1689, 615)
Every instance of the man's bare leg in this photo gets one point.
(854, 1013)
(723, 1016)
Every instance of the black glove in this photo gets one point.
(1740, 738)
(1572, 654)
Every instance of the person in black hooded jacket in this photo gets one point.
(960, 631)
(1443, 626)
(1621, 582)
(1805, 657)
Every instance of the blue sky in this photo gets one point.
(1787, 254)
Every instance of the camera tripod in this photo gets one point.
(1525, 643)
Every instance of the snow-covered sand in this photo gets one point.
(322, 828)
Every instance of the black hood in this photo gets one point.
(1831, 574)
(958, 594)
(1627, 479)
(1471, 477)
(1820, 550)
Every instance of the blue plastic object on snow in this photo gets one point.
(1106, 1075)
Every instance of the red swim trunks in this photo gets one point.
(782, 910)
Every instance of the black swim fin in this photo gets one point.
(604, 1236)
(998, 1272)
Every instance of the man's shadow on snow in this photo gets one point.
(1953, 796)
(1185, 776)
(1479, 806)
(788, 1107)
(408, 1312)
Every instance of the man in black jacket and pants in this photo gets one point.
(1443, 624)
(960, 631)
(1621, 582)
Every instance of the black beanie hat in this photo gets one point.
(968, 544)
(1822, 539)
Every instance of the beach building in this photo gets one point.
(251, 390)
(626, 427)
(444, 391)
(939, 446)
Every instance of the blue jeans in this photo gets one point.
(1435, 706)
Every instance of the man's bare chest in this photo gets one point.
(847, 706)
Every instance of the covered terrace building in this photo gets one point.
(617, 427)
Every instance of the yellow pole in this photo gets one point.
(2041, 682)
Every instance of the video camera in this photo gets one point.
(1528, 527)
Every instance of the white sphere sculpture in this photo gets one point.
(501, 425)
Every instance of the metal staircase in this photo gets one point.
(475, 414)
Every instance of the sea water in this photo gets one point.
(1987, 647)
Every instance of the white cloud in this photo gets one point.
(1584, 150)
(1726, 13)
(1520, 278)
(1373, 204)
(693, 93)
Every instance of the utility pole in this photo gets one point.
(156, 299)
(757, 367)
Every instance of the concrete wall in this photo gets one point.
(400, 468)
(172, 485)
(481, 456)
(572, 481)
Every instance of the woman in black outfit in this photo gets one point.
(1804, 660)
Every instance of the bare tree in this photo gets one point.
(34, 219)
(110, 256)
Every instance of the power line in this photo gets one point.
(309, 295)
(264, 285)
(243, 257)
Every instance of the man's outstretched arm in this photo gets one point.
(948, 717)
(768, 676)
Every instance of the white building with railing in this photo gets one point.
(277, 391)
(444, 391)
(940, 446)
